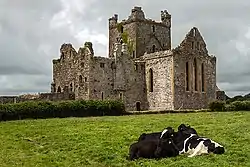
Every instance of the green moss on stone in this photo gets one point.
(119, 27)
(125, 38)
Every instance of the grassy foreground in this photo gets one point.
(104, 141)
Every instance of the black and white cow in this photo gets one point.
(154, 147)
(156, 135)
(188, 142)
(195, 145)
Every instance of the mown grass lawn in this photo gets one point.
(104, 141)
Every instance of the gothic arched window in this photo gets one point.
(151, 82)
(195, 75)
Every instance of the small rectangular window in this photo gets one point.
(153, 28)
(133, 54)
(192, 45)
(102, 65)
(121, 96)
(136, 67)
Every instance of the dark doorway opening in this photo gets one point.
(138, 106)
(102, 96)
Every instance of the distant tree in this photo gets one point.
(238, 98)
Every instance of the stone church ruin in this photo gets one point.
(141, 69)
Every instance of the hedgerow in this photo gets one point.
(49, 109)
(233, 106)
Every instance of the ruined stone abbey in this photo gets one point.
(141, 69)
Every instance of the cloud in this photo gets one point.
(33, 31)
(22, 84)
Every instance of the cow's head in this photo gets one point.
(166, 148)
(167, 133)
(214, 146)
(186, 129)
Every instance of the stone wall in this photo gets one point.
(119, 77)
(71, 71)
(149, 40)
(132, 74)
(160, 84)
(8, 99)
(56, 96)
(101, 78)
(193, 49)
(64, 69)
(41, 96)
(136, 93)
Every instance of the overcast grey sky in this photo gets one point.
(31, 33)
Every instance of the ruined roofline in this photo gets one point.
(137, 15)
(87, 44)
(68, 46)
(193, 35)
(81, 49)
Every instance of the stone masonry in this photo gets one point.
(141, 69)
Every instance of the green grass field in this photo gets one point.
(104, 141)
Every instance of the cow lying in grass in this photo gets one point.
(188, 142)
(154, 147)
(169, 143)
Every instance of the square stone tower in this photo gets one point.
(140, 34)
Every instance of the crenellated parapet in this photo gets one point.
(138, 15)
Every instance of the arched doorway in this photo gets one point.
(138, 106)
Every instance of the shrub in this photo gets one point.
(240, 105)
(48, 109)
(230, 107)
(217, 106)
